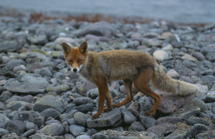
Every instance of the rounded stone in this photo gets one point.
(76, 129)
(160, 55)
(81, 118)
(199, 56)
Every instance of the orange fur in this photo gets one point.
(130, 66)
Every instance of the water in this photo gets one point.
(185, 11)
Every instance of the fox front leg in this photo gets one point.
(103, 90)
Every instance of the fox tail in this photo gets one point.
(165, 83)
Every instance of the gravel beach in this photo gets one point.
(41, 99)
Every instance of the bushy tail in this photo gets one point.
(165, 83)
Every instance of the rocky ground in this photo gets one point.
(41, 98)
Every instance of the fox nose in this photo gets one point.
(75, 70)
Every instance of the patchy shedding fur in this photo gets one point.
(165, 83)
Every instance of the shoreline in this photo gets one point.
(42, 16)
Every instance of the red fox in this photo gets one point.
(133, 67)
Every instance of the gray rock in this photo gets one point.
(82, 100)
(9, 46)
(15, 105)
(151, 35)
(3, 120)
(76, 129)
(112, 134)
(43, 72)
(53, 129)
(81, 118)
(2, 88)
(90, 37)
(210, 56)
(83, 137)
(128, 117)
(199, 56)
(69, 136)
(198, 120)
(23, 116)
(199, 103)
(10, 136)
(206, 50)
(189, 64)
(91, 131)
(172, 120)
(19, 68)
(41, 136)
(30, 125)
(93, 93)
(186, 111)
(161, 129)
(5, 95)
(133, 44)
(37, 39)
(39, 121)
(145, 104)
(3, 132)
(16, 126)
(206, 135)
(1, 60)
(101, 28)
(170, 103)
(134, 108)
(27, 98)
(85, 107)
(108, 119)
(136, 126)
(147, 121)
(2, 106)
(209, 99)
(11, 64)
(83, 88)
(201, 38)
(196, 129)
(180, 131)
(71, 121)
(28, 133)
(58, 89)
(63, 117)
(48, 101)
(27, 85)
(50, 112)
(50, 121)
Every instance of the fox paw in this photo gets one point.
(95, 116)
(149, 113)
(107, 109)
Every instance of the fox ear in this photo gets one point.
(83, 48)
(66, 48)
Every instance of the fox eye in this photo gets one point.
(79, 60)
(70, 61)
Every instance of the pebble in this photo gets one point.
(160, 55)
(76, 130)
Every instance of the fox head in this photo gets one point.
(75, 56)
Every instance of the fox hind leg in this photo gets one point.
(129, 95)
(141, 84)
